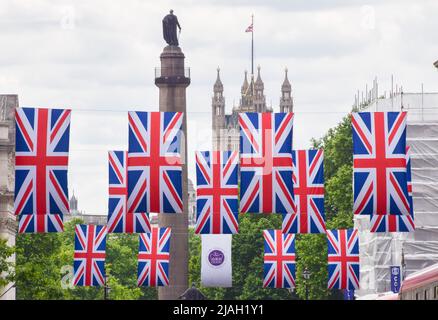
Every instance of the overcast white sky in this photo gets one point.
(100, 55)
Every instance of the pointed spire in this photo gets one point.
(259, 83)
(218, 86)
(245, 83)
(286, 84)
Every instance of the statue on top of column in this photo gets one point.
(170, 22)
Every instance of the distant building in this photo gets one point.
(226, 126)
(192, 203)
(97, 219)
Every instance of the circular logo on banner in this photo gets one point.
(216, 258)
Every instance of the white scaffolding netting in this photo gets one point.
(420, 248)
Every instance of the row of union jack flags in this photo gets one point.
(382, 185)
(90, 254)
(343, 259)
(273, 177)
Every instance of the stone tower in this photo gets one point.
(259, 102)
(172, 79)
(8, 224)
(218, 111)
(286, 101)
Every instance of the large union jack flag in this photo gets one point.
(397, 223)
(40, 223)
(379, 164)
(120, 220)
(89, 256)
(343, 259)
(153, 258)
(154, 163)
(217, 192)
(266, 162)
(279, 259)
(308, 180)
(41, 160)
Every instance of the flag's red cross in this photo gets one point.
(41, 161)
(216, 191)
(122, 191)
(303, 190)
(90, 255)
(343, 257)
(380, 163)
(267, 161)
(154, 161)
(154, 257)
(279, 258)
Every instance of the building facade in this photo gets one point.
(8, 224)
(97, 219)
(226, 126)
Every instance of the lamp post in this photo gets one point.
(106, 289)
(306, 277)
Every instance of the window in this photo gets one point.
(417, 296)
(425, 294)
(435, 294)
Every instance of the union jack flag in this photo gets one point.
(154, 163)
(89, 256)
(397, 223)
(266, 162)
(308, 180)
(40, 223)
(379, 163)
(153, 258)
(343, 259)
(41, 160)
(279, 259)
(119, 219)
(216, 203)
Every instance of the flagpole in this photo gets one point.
(252, 46)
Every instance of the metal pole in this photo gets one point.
(307, 291)
(252, 45)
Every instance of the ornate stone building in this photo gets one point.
(8, 224)
(226, 126)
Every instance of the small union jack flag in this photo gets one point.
(119, 219)
(379, 164)
(89, 256)
(266, 163)
(279, 259)
(153, 258)
(308, 180)
(40, 223)
(41, 160)
(217, 192)
(397, 223)
(154, 163)
(343, 259)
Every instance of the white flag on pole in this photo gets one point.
(216, 269)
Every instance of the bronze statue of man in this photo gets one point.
(170, 22)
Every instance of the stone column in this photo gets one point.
(172, 79)
(8, 224)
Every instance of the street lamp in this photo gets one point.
(306, 277)
(106, 289)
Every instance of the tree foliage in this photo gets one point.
(44, 267)
(6, 265)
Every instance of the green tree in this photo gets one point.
(44, 267)
(6, 266)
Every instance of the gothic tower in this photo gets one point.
(259, 97)
(218, 112)
(286, 101)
